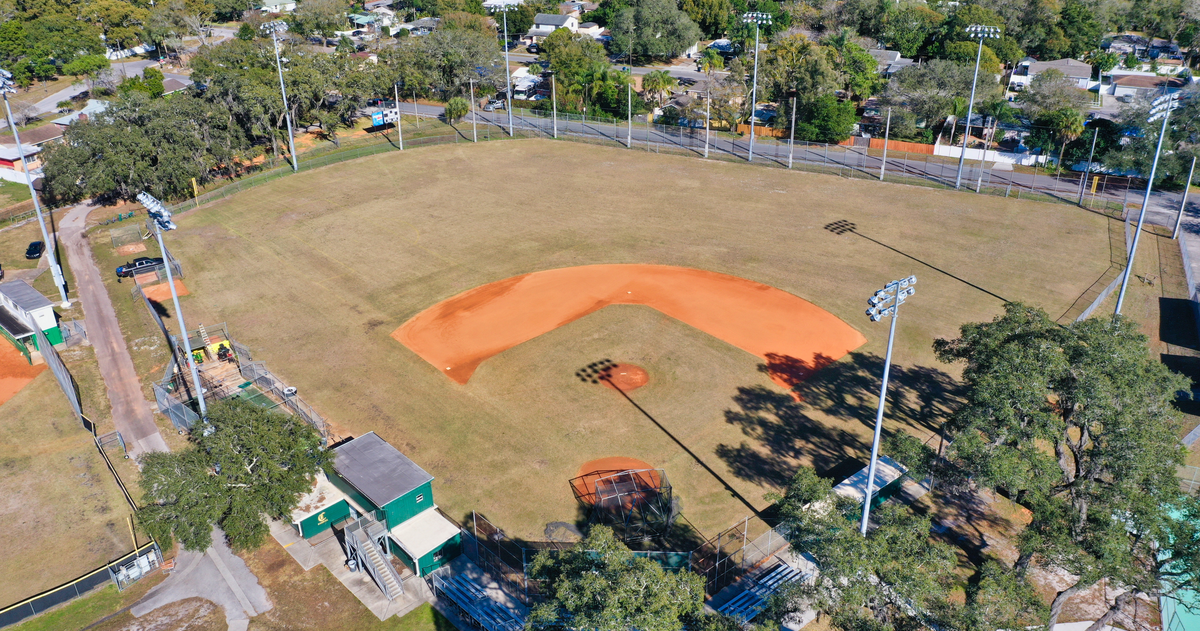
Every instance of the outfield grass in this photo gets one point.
(314, 272)
(64, 509)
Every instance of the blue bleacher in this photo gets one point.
(473, 600)
(748, 604)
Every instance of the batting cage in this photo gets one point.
(636, 503)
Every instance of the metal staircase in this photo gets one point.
(363, 539)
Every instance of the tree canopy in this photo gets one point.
(655, 28)
(243, 463)
(1077, 423)
(600, 585)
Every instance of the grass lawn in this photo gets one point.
(105, 603)
(59, 495)
(12, 193)
(316, 600)
(314, 272)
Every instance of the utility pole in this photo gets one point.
(474, 133)
(554, 103)
(707, 116)
(399, 133)
(503, 9)
(1187, 188)
(792, 135)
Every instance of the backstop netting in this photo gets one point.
(637, 504)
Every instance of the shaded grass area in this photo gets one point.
(316, 600)
(12, 193)
(59, 496)
(314, 272)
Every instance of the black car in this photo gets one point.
(533, 49)
(35, 250)
(140, 264)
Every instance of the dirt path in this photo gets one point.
(130, 410)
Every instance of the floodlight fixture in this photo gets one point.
(161, 221)
(896, 291)
(983, 31)
(7, 88)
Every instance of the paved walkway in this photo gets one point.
(216, 575)
(130, 410)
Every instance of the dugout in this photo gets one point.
(371, 477)
(24, 310)
(889, 478)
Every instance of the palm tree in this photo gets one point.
(1000, 112)
(658, 84)
(1067, 124)
(710, 62)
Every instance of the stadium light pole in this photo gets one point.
(1088, 169)
(895, 293)
(6, 88)
(554, 104)
(981, 32)
(758, 19)
(1160, 108)
(160, 218)
(503, 8)
(275, 27)
(629, 95)
(707, 117)
(1187, 188)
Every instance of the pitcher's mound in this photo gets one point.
(626, 377)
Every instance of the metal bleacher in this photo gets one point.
(473, 603)
(748, 604)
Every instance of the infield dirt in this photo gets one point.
(314, 272)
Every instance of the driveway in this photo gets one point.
(130, 410)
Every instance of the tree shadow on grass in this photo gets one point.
(780, 429)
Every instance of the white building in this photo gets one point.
(546, 23)
(1074, 69)
(276, 6)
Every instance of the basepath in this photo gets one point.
(459, 333)
(130, 410)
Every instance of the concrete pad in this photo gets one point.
(216, 575)
(295, 545)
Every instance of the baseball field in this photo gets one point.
(319, 275)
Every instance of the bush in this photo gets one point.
(456, 108)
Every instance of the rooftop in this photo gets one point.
(378, 470)
(1070, 67)
(92, 108)
(24, 296)
(423, 534)
(551, 19)
(35, 136)
(1150, 83)
(9, 152)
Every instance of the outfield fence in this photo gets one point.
(122, 571)
(1102, 192)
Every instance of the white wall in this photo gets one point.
(1023, 159)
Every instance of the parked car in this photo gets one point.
(357, 33)
(493, 105)
(533, 49)
(140, 264)
(35, 250)
(379, 102)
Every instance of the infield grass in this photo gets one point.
(314, 272)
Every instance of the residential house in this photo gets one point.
(371, 5)
(889, 62)
(171, 86)
(545, 23)
(1027, 69)
(10, 161)
(576, 7)
(592, 30)
(493, 4)
(277, 6)
(92, 108)
(1127, 87)
(37, 136)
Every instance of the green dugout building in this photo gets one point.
(24, 310)
(371, 478)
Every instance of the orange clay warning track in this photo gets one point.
(459, 333)
(15, 371)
